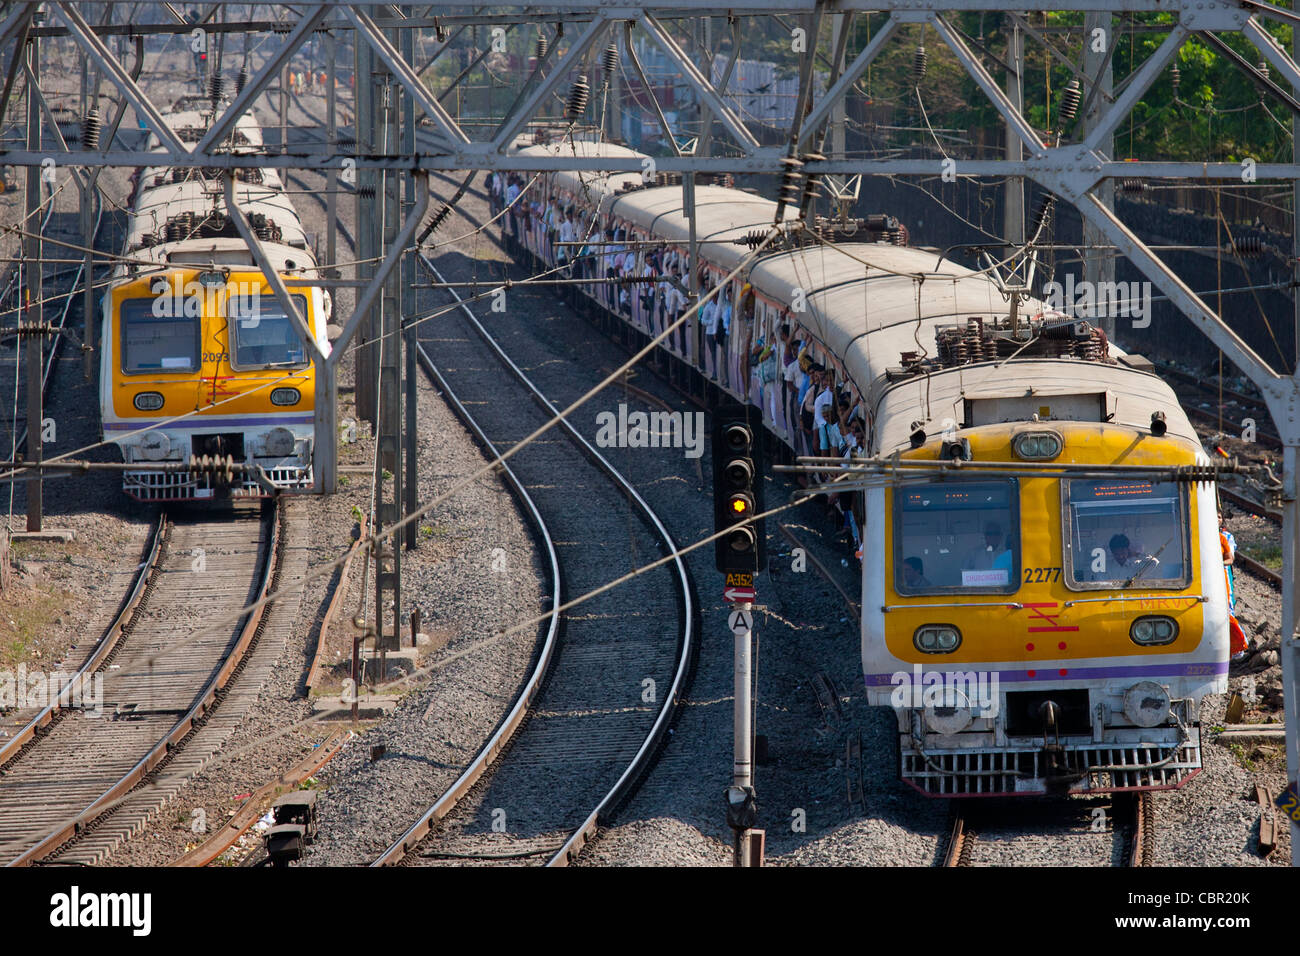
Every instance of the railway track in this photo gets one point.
(71, 784)
(1131, 820)
(608, 679)
(1254, 407)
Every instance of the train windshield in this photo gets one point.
(264, 336)
(959, 536)
(157, 343)
(1125, 533)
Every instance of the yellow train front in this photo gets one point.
(199, 358)
(182, 344)
(1046, 635)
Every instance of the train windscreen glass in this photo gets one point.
(1126, 534)
(264, 336)
(960, 536)
(157, 343)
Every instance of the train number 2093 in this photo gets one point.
(1041, 575)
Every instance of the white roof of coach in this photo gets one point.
(722, 215)
(155, 206)
(246, 124)
(866, 313)
(599, 185)
(1132, 395)
(225, 252)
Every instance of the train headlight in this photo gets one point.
(1153, 631)
(936, 638)
(1037, 446)
(285, 396)
(155, 446)
(1146, 704)
(148, 401)
(278, 443)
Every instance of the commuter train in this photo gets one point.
(1033, 634)
(199, 359)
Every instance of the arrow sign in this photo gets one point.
(738, 595)
(740, 620)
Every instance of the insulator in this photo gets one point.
(90, 129)
(918, 63)
(1043, 214)
(241, 79)
(1175, 77)
(1134, 186)
(438, 219)
(609, 60)
(541, 46)
(1248, 247)
(1070, 100)
(752, 239)
(365, 192)
(1263, 68)
(578, 96)
(810, 180)
(216, 86)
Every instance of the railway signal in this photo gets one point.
(737, 490)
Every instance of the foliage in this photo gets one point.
(1218, 114)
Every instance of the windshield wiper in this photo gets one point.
(1149, 562)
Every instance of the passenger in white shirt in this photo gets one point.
(566, 233)
(709, 321)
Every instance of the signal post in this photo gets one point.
(739, 554)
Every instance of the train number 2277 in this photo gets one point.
(1041, 575)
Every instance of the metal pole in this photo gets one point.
(284, 107)
(838, 115)
(1013, 203)
(34, 351)
(1289, 649)
(411, 485)
(332, 174)
(742, 768)
(1099, 267)
(367, 236)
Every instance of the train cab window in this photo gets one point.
(1126, 533)
(957, 536)
(157, 343)
(264, 336)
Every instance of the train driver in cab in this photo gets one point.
(1125, 562)
(992, 554)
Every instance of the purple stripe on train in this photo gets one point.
(1083, 673)
(211, 422)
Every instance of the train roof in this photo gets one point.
(247, 125)
(600, 186)
(155, 206)
(862, 304)
(1124, 396)
(722, 215)
(868, 303)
